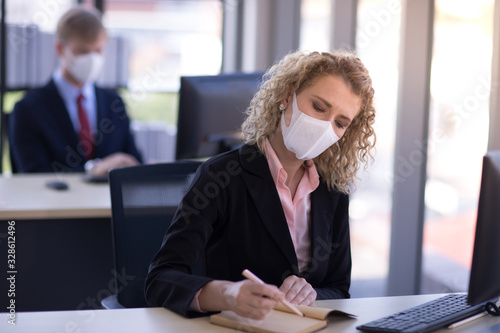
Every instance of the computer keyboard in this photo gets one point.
(426, 317)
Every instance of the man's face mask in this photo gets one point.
(83, 68)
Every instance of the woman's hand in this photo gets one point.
(298, 291)
(252, 300)
(246, 298)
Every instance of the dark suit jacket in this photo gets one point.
(232, 219)
(43, 139)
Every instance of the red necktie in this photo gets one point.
(86, 139)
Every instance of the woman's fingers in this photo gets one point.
(298, 291)
(252, 300)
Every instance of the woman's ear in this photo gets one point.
(287, 114)
(288, 99)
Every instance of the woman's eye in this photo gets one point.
(318, 108)
(339, 124)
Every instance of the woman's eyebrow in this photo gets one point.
(346, 118)
(328, 104)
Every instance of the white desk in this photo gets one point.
(159, 320)
(64, 252)
(25, 196)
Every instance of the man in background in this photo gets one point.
(70, 124)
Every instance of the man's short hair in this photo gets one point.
(80, 22)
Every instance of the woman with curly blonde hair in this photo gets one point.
(340, 162)
(278, 205)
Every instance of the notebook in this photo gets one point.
(280, 320)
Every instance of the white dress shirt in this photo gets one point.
(69, 94)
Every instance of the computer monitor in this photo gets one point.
(211, 111)
(484, 281)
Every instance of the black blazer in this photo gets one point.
(232, 219)
(43, 139)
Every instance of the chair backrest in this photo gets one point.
(143, 201)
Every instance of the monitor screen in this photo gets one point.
(484, 281)
(211, 111)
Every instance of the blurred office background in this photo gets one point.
(166, 39)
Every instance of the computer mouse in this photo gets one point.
(57, 185)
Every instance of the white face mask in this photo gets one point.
(306, 136)
(83, 68)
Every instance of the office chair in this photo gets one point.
(144, 199)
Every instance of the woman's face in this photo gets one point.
(328, 98)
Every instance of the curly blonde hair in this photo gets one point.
(338, 164)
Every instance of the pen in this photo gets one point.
(252, 277)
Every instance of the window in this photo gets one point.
(458, 136)
(377, 44)
(166, 39)
(315, 25)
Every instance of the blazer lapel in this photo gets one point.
(322, 212)
(60, 114)
(260, 184)
(100, 147)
